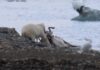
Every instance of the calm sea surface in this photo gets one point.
(57, 13)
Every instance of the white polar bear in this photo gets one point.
(35, 32)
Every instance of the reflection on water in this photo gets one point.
(53, 13)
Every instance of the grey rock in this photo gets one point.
(19, 53)
(88, 14)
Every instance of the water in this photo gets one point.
(56, 13)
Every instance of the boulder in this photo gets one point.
(88, 14)
(19, 53)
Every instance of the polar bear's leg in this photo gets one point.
(45, 39)
(25, 36)
(37, 39)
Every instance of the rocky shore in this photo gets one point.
(19, 53)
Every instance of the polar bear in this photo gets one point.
(36, 32)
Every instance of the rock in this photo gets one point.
(19, 53)
(88, 14)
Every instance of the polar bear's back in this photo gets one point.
(31, 30)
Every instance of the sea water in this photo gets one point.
(57, 13)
